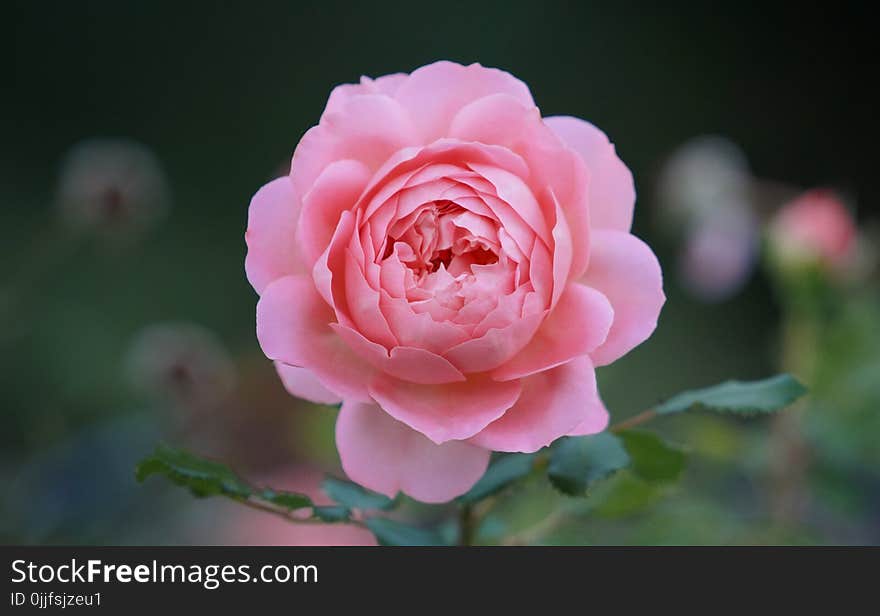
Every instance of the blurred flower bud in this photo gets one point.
(112, 186)
(719, 254)
(182, 362)
(705, 199)
(706, 175)
(814, 229)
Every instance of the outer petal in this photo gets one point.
(452, 411)
(625, 270)
(303, 384)
(433, 94)
(594, 423)
(369, 128)
(552, 404)
(384, 455)
(387, 84)
(293, 326)
(612, 192)
(500, 119)
(335, 190)
(579, 323)
(271, 234)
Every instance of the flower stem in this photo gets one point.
(289, 515)
(467, 525)
(635, 420)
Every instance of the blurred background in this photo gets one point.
(134, 134)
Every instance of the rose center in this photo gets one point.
(441, 235)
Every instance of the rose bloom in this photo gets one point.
(452, 268)
(814, 228)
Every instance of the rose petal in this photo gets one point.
(612, 191)
(623, 268)
(408, 161)
(562, 252)
(304, 384)
(594, 423)
(500, 119)
(411, 364)
(541, 272)
(433, 94)
(552, 403)
(271, 234)
(387, 84)
(419, 329)
(453, 411)
(495, 347)
(363, 305)
(334, 191)
(384, 455)
(555, 169)
(331, 285)
(515, 193)
(369, 128)
(579, 324)
(293, 326)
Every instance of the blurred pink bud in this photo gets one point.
(112, 186)
(815, 228)
(183, 362)
(719, 255)
(706, 175)
(705, 199)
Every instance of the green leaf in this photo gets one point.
(354, 496)
(740, 397)
(286, 500)
(203, 477)
(501, 473)
(209, 478)
(652, 458)
(577, 462)
(623, 495)
(392, 532)
(332, 513)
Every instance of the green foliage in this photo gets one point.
(354, 496)
(653, 459)
(392, 532)
(577, 462)
(209, 478)
(623, 495)
(202, 477)
(332, 513)
(738, 397)
(574, 466)
(286, 500)
(500, 474)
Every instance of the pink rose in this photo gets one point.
(814, 228)
(451, 267)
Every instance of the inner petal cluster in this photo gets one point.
(442, 249)
(452, 259)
